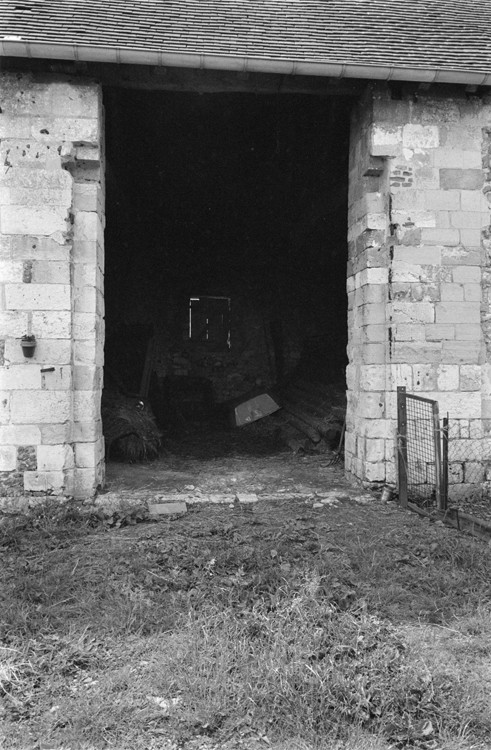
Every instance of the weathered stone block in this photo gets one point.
(65, 129)
(13, 434)
(416, 351)
(89, 455)
(8, 458)
(39, 248)
(470, 237)
(413, 312)
(37, 296)
(466, 332)
(13, 323)
(466, 274)
(43, 220)
(385, 140)
(51, 482)
(43, 196)
(48, 351)
(420, 137)
(50, 272)
(460, 255)
(374, 449)
(374, 333)
(474, 200)
(372, 377)
(86, 406)
(87, 377)
(452, 292)
(457, 312)
(88, 227)
(20, 377)
(85, 326)
(462, 352)
(425, 377)
(472, 292)
(409, 332)
(470, 377)
(55, 324)
(54, 457)
(461, 179)
(439, 332)
(442, 200)
(84, 483)
(456, 158)
(4, 407)
(374, 472)
(87, 432)
(440, 236)
(55, 434)
(448, 377)
(469, 219)
(57, 379)
(30, 407)
(10, 271)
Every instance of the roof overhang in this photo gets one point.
(15, 47)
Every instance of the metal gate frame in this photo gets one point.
(405, 449)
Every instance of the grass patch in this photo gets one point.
(272, 626)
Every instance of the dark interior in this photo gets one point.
(237, 201)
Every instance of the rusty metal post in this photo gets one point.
(438, 457)
(402, 444)
(445, 463)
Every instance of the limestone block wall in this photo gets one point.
(51, 266)
(432, 315)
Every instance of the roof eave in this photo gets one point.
(13, 47)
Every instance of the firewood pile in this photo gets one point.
(129, 427)
(312, 416)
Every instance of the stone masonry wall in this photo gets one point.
(430, 324)
(51, 266)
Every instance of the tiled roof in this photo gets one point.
(444, 34)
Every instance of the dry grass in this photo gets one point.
(188, 633)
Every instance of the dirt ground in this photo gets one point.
(91, 613)
(217, 466)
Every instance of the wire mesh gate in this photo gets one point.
(422, 480)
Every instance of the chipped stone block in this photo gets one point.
(420, 137)
(440, 236)
(86, 406)
(452, 292)
(31, 407)
(20, 434)
(458, 312)
(54, 457)
(461, 179)
(165, 509)
(42, 220)
(87, 432)
(52, 482)
(386, 140)
(37, 296)
(8, 457)
(48, 351)
(20, 377)
(244, 497)
(89, 455)
(439, 332)
(448, 377)
(470, 377)
(50, 272)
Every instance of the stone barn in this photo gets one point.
(211, 196)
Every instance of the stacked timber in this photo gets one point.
(312, 416)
